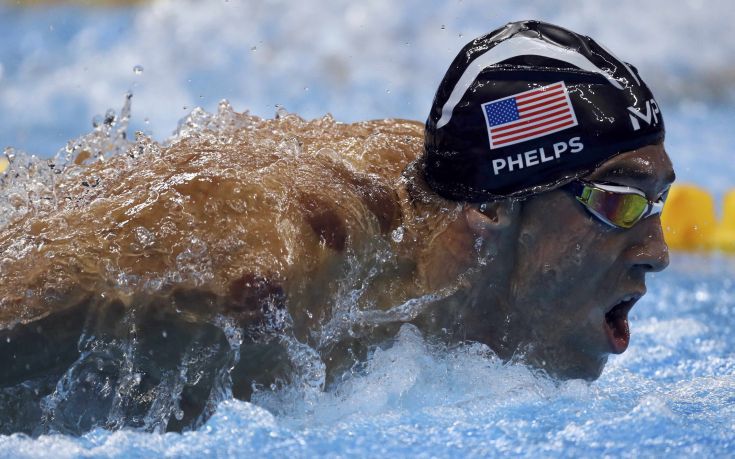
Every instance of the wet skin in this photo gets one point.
(556, 271)
(548, 271)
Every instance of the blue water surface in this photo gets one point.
(671, 394)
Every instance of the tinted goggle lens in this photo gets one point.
(620, 209)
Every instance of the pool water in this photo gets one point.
(672, 393)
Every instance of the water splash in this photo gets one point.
(29, 184)
(412, 397)
(168, 255)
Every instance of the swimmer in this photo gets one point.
(555, 146)
(524, 215)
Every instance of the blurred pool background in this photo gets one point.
(62, 63)
(672, 393)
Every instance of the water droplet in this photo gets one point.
(387, 91)
(109, 117)
(460, 35)
(144, 237)
(138, 69)
(444, 27)
(164, 334)
(281, 112)
(254, 48)
(397, 234)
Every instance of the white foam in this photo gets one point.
(412, 376)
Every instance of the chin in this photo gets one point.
(582, 367)
(589, 371)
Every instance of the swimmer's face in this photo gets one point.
(575, 278)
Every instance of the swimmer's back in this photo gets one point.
(265, 205)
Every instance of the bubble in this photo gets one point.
(138, 70)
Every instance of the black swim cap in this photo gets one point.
(530, 107)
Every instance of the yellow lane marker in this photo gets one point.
(689, 218)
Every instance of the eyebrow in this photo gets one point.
(636, 173)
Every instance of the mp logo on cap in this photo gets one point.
(650, 117)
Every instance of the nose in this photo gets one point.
(650, 252)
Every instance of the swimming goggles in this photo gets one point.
(617, 205)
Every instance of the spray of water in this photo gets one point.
(229, 259)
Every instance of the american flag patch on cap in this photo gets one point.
(529, 115)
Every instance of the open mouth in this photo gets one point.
(616, 324)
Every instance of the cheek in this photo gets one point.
(562, 260)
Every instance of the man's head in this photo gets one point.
(562, 286)
(556, 147)
(529, 107)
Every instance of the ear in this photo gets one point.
(490, 217)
